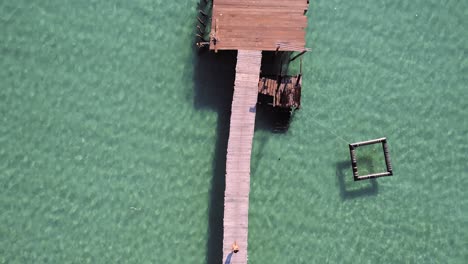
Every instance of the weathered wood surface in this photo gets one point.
(236, 195)
(258, 25)
(286, 92)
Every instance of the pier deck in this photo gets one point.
(258, 25)
(236, 195)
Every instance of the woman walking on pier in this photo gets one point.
(235, 247)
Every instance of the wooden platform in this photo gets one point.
(236, 200)
(258, 25)
(285, 93)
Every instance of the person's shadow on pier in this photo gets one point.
(228, 258)
(345, 180)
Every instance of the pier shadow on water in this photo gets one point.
(350, 189)
(214, 75)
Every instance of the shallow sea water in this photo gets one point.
(111, 142)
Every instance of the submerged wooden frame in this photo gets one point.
(352, 152)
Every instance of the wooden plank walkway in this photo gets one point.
(236, 195)
(258, 25)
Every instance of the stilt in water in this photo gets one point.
(298, 55)
(201, 21)
(202, 44)
(200, 30)
(200, 36)
(203, 13)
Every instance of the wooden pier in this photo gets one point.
(236, 200)
(250, 27)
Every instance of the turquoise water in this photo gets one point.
(110, 144)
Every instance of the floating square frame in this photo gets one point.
(352, 152)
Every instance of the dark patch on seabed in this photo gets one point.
(346, 192)
(272, 119)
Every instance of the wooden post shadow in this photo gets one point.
(346, 192)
